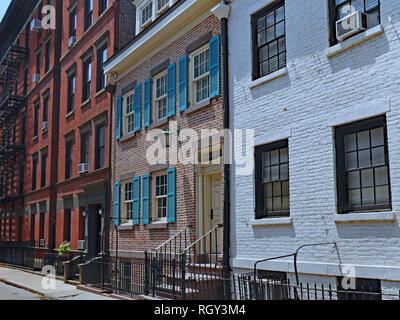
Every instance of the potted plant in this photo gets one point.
(64, 248)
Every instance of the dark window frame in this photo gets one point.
(259, 185)
(46, 100)
(100, 150)
(85, 146)
(101, 76)
(47, 53)
(35, 159)
(87, 79)
(343, 206)
(103, 5)
(36, 108)
(71, 90)
(69, 158)
(73, 19)
(88, 14)
(255, 48)
(43, 173)
(333, 10)
(38, 61)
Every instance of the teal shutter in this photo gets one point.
(137, 107)
(182, 84)
(147, 103)
(146, 199)
(171, 90)
(118, 117)
(116, 203)
(136, 201)
(214, 67)
(171, 187)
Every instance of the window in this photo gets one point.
(47, 56)
(100, 146)
(365, 289)
(44, 168)
(72, 23)
(34, 171)
(85, 147)
(45, 108)
(160, 197)
(161, 4)
(67, 226)
(38, 61)
(36, 119)
(87, 79)
(160, 96)
(41, 225)
(362, 166)
(200, 74)
(272, 180)
(68, 158)
(26, 74)
(71, 92)
(101, 59)
(342, 8)
(40, 11)
(129, 112)
(127, 202)
(147, 13)
(88, 13)
(269, 40)
(103, 5)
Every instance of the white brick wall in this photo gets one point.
(316, 92)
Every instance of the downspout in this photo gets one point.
(221, 11)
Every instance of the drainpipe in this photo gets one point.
(221, 11)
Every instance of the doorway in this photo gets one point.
(95, 229)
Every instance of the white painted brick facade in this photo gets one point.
(316, 92)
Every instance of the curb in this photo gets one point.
(20, 286)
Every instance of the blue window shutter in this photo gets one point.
(138, 107)
(116, 203)
(182, 83)
(136, 201)
(214, 67)
(146, 199)
(171, 187)
(147, 103)
(118, 117)
(171, 90)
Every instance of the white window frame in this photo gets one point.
(127, 115)
(155, 217)
(157, 100)
(141, 5)
(193, 80)
(126, 202)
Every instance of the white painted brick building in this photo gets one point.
(323, 87)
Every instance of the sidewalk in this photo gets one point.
(33, 283)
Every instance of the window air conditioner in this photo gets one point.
(71, 41)
(44, 125)
(83, 168)
(36, 78)
(350, 25)
(36, 25)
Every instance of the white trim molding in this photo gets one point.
(365, 217)
(276, 135)
(272, 222)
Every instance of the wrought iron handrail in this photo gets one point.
(173, 238)
(202, 237)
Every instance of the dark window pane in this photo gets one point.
(353, 179)
(363, 140)
(364, 159)
(367, 178)
(378, 156)
(350, 142)
(377, 137)
(382, 194)
(381, 176)
(351, 160)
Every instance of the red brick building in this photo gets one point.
(167, 79)
(55, 162)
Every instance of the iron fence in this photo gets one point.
(21, 254)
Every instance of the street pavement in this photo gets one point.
(38, 285)
(8, 292)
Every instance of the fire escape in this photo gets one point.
(11, 153)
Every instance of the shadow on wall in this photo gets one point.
(274, 232)
(369, 231)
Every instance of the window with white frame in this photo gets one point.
(148, 10)
(162, 4)
(160, 96)
(147, 13)
(200, 74)
(160, 197)
(127, 202)
(129, 114)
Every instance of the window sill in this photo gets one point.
(269, 77)
(354, 41)
(85, 103)
(126, 226)
(35, 138)
(272, 222)
(197, 106)
(368, 217)
(127, 137)
(69, 114)
(100, 92)
(159, 225)
(158, 123)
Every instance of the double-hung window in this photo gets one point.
(272, 180)
(88, 14)
(36, 108)
(160, 96)
(87, 79)
(160, 197)
(101, 59)
(85, 147)
(162, 4)
(69, 158)
(71, 92)
(269, 40)
(146, 13)
(339, 9)
(46, 108)
(44, 169)
(103, 5)
(127, 202)
(100, 146)
(34, 170)
(38, 61)
(47, 53)
(362, 166)
(200, 74)
(72, 22)
(129, 112)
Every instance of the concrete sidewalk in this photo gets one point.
(33, 283)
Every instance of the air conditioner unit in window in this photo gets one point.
(350, 25)
(36, 78)
(81, 244)
(71, 41)
(36, 25)
(44, 125)
(41, 243)
(83, 168)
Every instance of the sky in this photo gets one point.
(3, 7)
